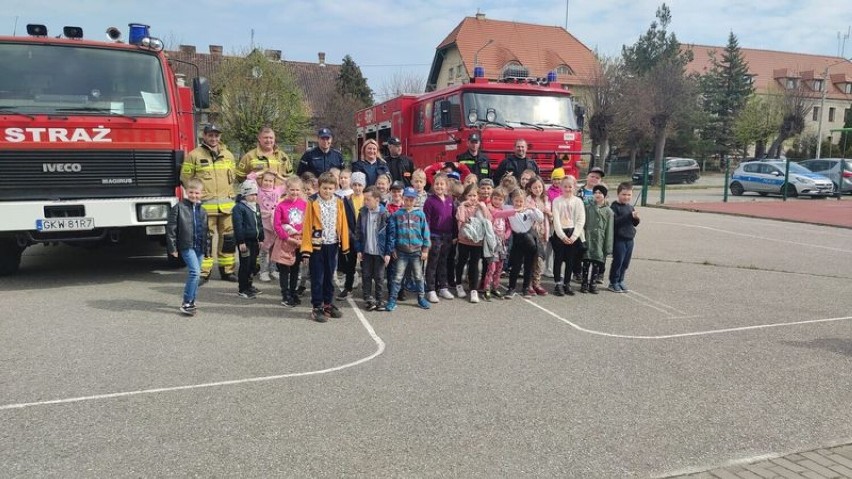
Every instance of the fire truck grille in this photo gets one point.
(71, 174)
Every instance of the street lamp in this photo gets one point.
(476, 55)
(825, 82)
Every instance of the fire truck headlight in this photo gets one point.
(472, 116)
(152, 212)
(491, 115)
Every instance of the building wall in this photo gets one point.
(452, 61)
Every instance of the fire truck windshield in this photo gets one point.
(56, 79)
(525, 110)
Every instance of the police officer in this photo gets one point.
(517, 163)
(475, 160)
(266, 156)
(401, 167)
(322, 157)
(213, 164)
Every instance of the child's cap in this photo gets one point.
(454, 175)
(557, 174)
(397, 185)
(249, 188)
(358, 178)
(600, 188)
(486, 182)
(409, 192)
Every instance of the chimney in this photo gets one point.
(321, 59)
(274, 55)
(216, 50)
(188, 49)
(480, 15)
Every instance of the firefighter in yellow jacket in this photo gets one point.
(266, 156)
(213, 164)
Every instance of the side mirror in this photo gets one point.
(446, 117)
(580, 113)
(201, 92)
(776, 173)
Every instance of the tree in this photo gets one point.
(400, 83)
(661, 93)
(756, 123)
(352, 83)
(251, 92)
(603, 101)
(796, 102)
(725, 91)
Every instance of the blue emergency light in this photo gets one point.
(137, 33)
(551, 76)
(478, 72)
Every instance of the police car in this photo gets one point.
(767, 177)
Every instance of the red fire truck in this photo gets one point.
(92, 137)
(434, 126)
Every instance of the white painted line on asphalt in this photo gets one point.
(654, 301)
(380, 348)
(685, 335)
(763, 238)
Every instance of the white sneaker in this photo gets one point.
(460, 291)
(474, 296)
(445, 293)
(432, 297)
(264, 277)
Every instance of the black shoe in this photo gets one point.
(333, 311)
(344, 293)
(372, 306)
(301, 290)
(558, 291)
(295, 300)
(255, 290)
(593, 288)
(584, 288)
(231, 277)
(568, 290)
(401, 296)
(247, 294)
(318, 315)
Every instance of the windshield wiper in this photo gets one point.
(9, 111)
(495, 123)
(554, 125)
(528, 124)
(92, 109)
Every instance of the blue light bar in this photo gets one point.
(137, 33)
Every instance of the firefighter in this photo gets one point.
(266, 156)
(322, 157)
(213, 164)
(401, 167)
(475, 160)
(517, 163)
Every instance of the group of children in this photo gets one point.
(456, 240)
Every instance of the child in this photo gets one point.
(440, 214)
(499, 223)
(374, 247)
(344, 183)
(358, 182)
(524, 242)
(248, 234)
(537, 198)
(509, 183)
(555, 189)
(525, 178)
(325, 232)
(395, 201)
(598, 238)
(418, 182)
(186, 237)
(270, 191)
(569, 219)
(469, 249)
(383, 183)
(346, 262)
(309, 185)
(289, 215)
(486, 187)
(410, 241)
(624, 222)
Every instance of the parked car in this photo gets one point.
(678, 170)
(767, 177)
(830, 167)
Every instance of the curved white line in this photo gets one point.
(764, 238)
(379, 350)
(683, 335)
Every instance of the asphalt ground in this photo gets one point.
(734, 343)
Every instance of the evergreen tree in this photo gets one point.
(725, 90)
(352, 83)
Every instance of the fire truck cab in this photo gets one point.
(92, 137)
(434, 126)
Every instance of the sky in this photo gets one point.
(398, 37)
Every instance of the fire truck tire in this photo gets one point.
(10, 257)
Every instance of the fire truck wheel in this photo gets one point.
(10, 257)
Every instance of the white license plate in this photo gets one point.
(65, 224)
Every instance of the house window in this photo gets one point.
(816, 113)
(847, 88)
(459, 71)
(818, 85)
(420, 118)
(452, 72)
(564, 70)
(792, 83)
(831, 114)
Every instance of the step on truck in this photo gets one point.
(92, 137)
